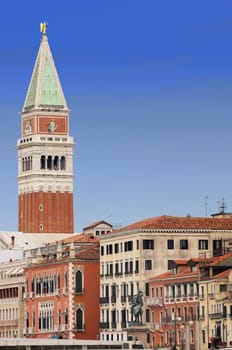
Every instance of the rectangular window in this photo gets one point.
(110, 249)
(148, 264)
(222, 288)
(136, 266)
(203, 244)
(147, 289)
(203, 337)
(126, 267)
(224, 311)
(170, 244)
(128, 246)
(137, 244)
(131, 267)
(147, 316)
(203, 311)
(183, 244)
(102, 250)
(148, 244)
(170, 264)
(116, 248)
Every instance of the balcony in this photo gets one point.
(216, 315)
(118, 274)
(32, 295)
(113, 325)
(7, 323)
(31, 330)
(155, 327)
(158, 327)
(211, 295)
(25, 295)
(113, 299)
(154, 301)
(123, 324)
(109, 274)
(104, 325)
(123, 298)
(104, 300)
(64, 328)
(167, 320)
(65, 290)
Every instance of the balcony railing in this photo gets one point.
(104, 300)
(181, 298)
(117, 274)
(180, 318)
(154, 302)
(211, 295)
(7, 323)
(113, 325)
(123, 298)
(123, 324)
(216, 315)
(113, 299)
(104, 325)
(64, 328)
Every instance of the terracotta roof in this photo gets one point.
(96, 223)
(185, 272)
(81, 238)
(173, 222)
(222, 274)
(89, 253)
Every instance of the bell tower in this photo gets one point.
(45, 152)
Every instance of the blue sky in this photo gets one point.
(149, 84)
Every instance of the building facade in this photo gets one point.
(191, 306)
(98, 228)
(131, 255)
(11, 299)
(215, 304)
(173, 304)
(62, 290)
(45, 152)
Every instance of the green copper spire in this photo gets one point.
(45, 90)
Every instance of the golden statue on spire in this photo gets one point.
(43, 27)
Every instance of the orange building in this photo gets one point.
(62, 290)
(174, 306)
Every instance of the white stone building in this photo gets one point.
(130, 255)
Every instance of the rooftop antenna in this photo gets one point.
(223, 206)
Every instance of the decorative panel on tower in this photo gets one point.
(45, 152)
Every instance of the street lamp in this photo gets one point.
(175, 319)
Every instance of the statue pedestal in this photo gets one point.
(138, 332)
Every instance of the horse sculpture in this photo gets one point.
(136, 307)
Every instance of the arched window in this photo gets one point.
(23, 164)
(33, 285)
(56, 163)
(58, 281)
(78, 286)
(42, 162)
(62, 163)
(49, 162)
(79, 319)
